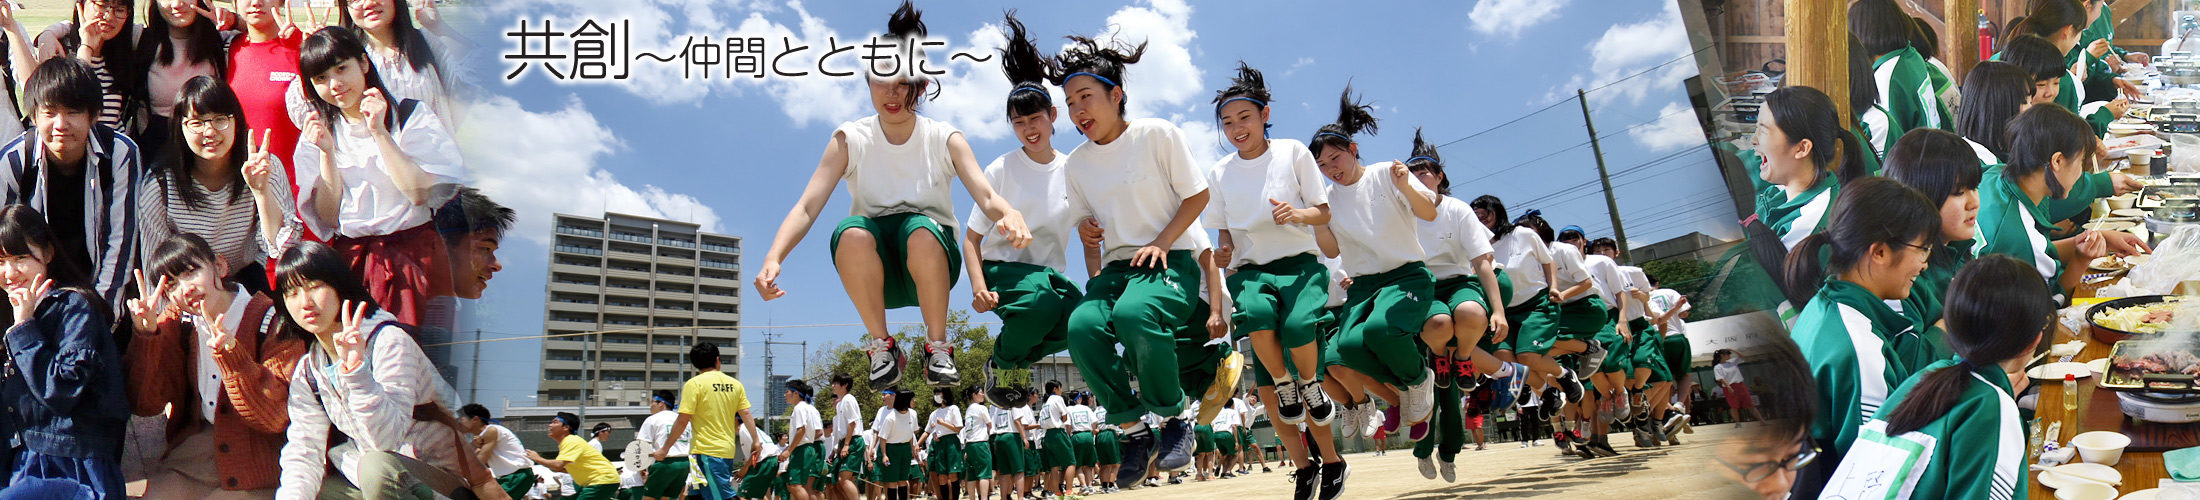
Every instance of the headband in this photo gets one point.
(1102, 79)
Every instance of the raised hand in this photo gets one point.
(373, 106)
(258, 167)
(317, 130)
(25, 301)
(767, 281)
(222, 340)
(150, 305)
(350, 346)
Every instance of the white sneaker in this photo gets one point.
(1428, 467)
(1352, 422)
(1371, 419)
(1420, 400)
(1445, 468)
(940, 371)
(886, 361)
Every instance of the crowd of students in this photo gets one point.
(222, 231)
(1921, 267)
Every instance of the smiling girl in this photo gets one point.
(64, 388)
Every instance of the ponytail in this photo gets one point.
(1028, 71)
(1997, 310)
(1805, 113)
(1425, 158)
(1852, 160)
(1870, 211)
(1352, 118)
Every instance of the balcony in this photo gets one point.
(623, 252)
(572, 307)
(618, 347)
(718, 316)
(548, 364)
(630, 310)
(577, 326)
(668, 296)
(588, 233)
(576, 288)
(718, 282)
(578, 250)
(629, 274)
(575, 270)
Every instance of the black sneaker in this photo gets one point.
(1603, 446)
(1442, 367)
(1290, 407)
(1318, 406)
(1176, 444)
(1137, 452)
(1004, 397)
(1303, 482)
(887, 362)
(1571, 383)
(1641, 441)
(1333, 476)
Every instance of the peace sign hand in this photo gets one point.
(25, 301)
(258, 167)
(424, 12)
(222, 340)
(151, 304)
(350, 351)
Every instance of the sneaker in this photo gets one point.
(1445, 468)
(1318, 405)
(1304, 482)
(1176, 480)
(1641, 440)
(1428, 467)
(1175, 446)
(1509, 388)
(1418, 432)
(1264, 469)
(1469, 378)
(1554, 399)
(1351, 422)
(1390, 419)
(1593, 357)
(887, 362)
(1441, 366)
(1290, 407)
(1565, 446)
(1420, 399)
(1137, 451)
(1333, 476)
(1571, 383)
(1004, 397)
(1372, 420)
(1586, 452)
(940, 371)
(1603, 446)
(1673, 421)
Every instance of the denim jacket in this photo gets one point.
(63, 385)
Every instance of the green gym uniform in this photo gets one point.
(1279, 285)
(977, 461)
(1907, 92)
(1450, 432)
(805, 466)
(2009, 223)
(1203, 439)
(1976, 449)
(1521, 254)
(1058, 450)
(1143, 310)
(1008, 453)
(1107, 447)
(901, 463)
(891, 234)
(896, 190)
(1087, 454)
(945, 456)
(1649, 350)
(1035, 296)
(1379, 335)
(1285, 296)
(1843, 333)
(1928, 343)
(1034, 308)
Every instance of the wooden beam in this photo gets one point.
(1818, 49)
(2120, 11)
(1959, 38)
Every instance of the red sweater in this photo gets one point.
(248, 427)
(261, 73)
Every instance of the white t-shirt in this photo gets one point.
(1241, 190)
(895, 426)
(373, 204)
(941, 418)
(1053, 414)
(1080, 418)
(805, 417)
(846, 412)
(1522, 254)
(1374, 223)
(508, 455)
(1604, 273)
(1004, 421)
(1133, 186)
(1336, 281)
(885, 178)
(1727, 373)
(1100, 418)
(1636, 280)
(1663, 300)
(762, 440)
(1567, 261)
(1039, 191)
(1025, 417)
(977, 423)
(1225, 420)
(1454, 239)
(657, 427)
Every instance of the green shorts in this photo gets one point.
(1087, 455)
(892, 234)
(1459, 290)
(1534, 325)
(1107, 447)
(805, 466)
(1058, 451)
(1380, 335)
(1035, 302)
(944, 456)
(1034, 462)
(519, 481)
(1226, 442)
(977, 461)
(1585, 319)
(762, 478)
(1137, 322)
(1679, 356)
(1203, 438)
(901, 463)
(1008, 455)
(852, 462)
(1649, 350)
(667, 479)
(1284, 296)
(1619, 357)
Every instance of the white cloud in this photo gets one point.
(1625, 50)
(1508, 17)
(509, 160)
(1676, 127)
(1295, 66)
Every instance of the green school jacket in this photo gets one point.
(1795, 219)
(1844, 333)
(1906, 89)
(2096, 113)
(2091, 186)
(2009, 223)
(1927, 343)
(1979, 444)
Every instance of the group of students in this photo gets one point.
(221, 235)
(1920, 275)
(1372, 285)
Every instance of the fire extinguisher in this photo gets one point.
(1986, 47)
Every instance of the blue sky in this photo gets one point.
(732, 155)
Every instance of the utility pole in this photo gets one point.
(1610, 204)
(473, 382)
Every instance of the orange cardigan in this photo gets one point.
(249, 425)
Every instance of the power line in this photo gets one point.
(656, 328)
(1565, 100)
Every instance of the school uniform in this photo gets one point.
(846, 414)
(1392, 293)
(944, 456)
(1679, 355)
(1277, 283)
(976, 439)
(1133, 187)
(1608, 286)
(897, 431)
(896, 190)
(1028, 417)
(1226, 425)
(1035, 296)
(1648, 349)
(389, 238)
(1522, 253)
(1795, 217)
(1107, 444)
(1080, 435)
(806, 465)
(1453, 241)
(1057, 448)
(1928, 342)
(763, 478)
(1008, 446)
(1975, 450)
(668, 477)
(1906, 90)
(1843, 333)
(2010, 223)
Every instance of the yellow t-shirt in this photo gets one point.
(713, 402)
(587, 465)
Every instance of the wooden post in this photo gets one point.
(1959, 38)
(1818, 49)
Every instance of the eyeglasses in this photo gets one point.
(210, 123)
(1758, 471)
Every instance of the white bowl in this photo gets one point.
(2122, 202)
(2101, 447)
(2145, 494)
(2086, 491)
(2097, 367)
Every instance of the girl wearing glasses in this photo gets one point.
(1996, 311)
(219, 183)
(1765, 457)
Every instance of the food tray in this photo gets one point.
(2118, 379)
(2106, 334)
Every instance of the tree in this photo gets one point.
(973, 349)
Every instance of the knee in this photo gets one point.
(1470, 313)
(924, 243)
(856, 238)
(1439, 326)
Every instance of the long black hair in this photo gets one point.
(2052, 16)
(902, 400)
(1028, 70)
(1805, 113)
(310, 262)
(411, 42)
(205, 95)
(1425, 159)
(2037, 56)
(1881, 25)
(1871, 211)
(1496, 208)
(23, 229)
(1937, 163)
(1249, 86)
(202, 40)
(1105, 60)
(1534, 220)
(122, 57)
(1863, 85)
(2041, 132)
(1925, 40)
(325, 50)
(1997, 309)
(1993, 93)
(1353, 117)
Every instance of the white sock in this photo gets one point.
(1504, 370)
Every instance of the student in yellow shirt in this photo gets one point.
(595, 477)
(717, 406)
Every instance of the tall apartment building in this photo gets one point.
(654, 288)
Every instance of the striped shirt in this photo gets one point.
(111, 180)
(373, 405)
(230, 224)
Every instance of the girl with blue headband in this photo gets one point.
(895, 248)
(1468, 282)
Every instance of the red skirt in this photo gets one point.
(1737, 396)
(402, 269)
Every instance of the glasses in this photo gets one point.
(210, 123)
(1758, 471)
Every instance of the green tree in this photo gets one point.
(973, 349)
